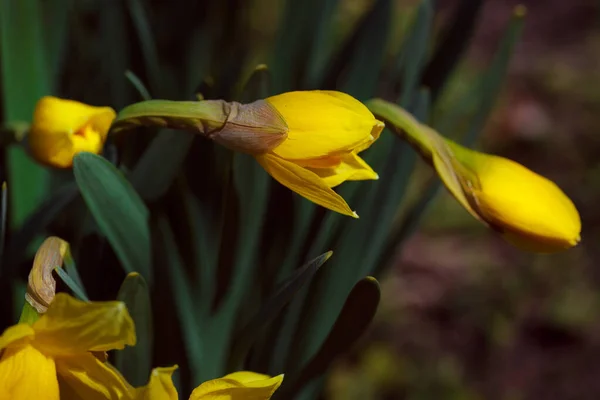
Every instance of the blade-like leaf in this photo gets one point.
(117, 209)
(356, 315)
(138, 85)
(184, 300)
(414, 51)
(25, 78)
(71, 284)
(149, 51)
(161, 162)
(135, 363)
(282, 296)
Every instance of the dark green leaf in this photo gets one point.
(282, 296)
(135, 363)
(117, 209)
(186, 306)
(161, 162)
(138, 85)
(355, 317)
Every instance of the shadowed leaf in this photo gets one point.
(117, 209)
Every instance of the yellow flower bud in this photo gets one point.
(529, 210)
(62, 128)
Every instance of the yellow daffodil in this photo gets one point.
(241, 385)
(308, 141)
(62, 128)
(326, 131)
(52, 358)
(529, 210)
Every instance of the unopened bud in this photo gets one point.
(41, 285)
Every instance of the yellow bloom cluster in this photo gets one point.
(309, 142)
(61, 356)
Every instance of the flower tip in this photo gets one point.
(355, 215)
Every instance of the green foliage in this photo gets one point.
(222, 246)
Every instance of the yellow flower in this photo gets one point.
(241, 385)
(55, 352)
(529, 210)
(62, 128)
(326, 131)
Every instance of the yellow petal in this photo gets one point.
(322, 123)
(71, 326)
(89, 378)
(160, 386)
(351, 168)
(530, 210)
(304, 182)
(62, 128)
(16, 335)
(238, 386)
(26, 374)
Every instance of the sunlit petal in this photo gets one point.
(160, 386)
(351, 168)
(72, 327)
(91, 379)
(27, 374)
(304, 182)
(322, 123)
(15, 335)
(238, 386)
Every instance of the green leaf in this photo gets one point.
(37, 221)
(186, 307)
(258, 85)
(480, 100)
(493, 80)
(452, 45)
(117, 209)
(114, 45)
(161, 162)
(56, 30)
(364, 53)
(25, 79)
(135, 363)
(414, 52)
(356, 315)
(138, 85)
(321, 45)
(3, 210)
(253, 329)
(149, 51)
(77, 290)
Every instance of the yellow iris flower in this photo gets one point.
(243, 385)
(326, 131)
(62, 128)
(52, 358)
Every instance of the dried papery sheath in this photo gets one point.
(41, 285)
(253, 128)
